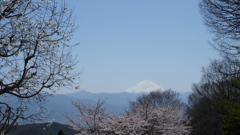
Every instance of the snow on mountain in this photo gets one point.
(143, 86)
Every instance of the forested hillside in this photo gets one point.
(42, 129)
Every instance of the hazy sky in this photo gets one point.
(123, 42)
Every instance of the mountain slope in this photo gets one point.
(119, 99)
(62, 103)
(42, 129)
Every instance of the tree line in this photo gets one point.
(214, 105)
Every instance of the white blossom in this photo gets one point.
(164, 120)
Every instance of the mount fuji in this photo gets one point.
(144, 86)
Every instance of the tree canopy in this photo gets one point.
(214, 103)
(35, 54)
(222, 19)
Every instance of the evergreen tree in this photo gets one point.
(60, 132)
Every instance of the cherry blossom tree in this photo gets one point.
(35, 54)
(90, 117)
(125, 124)
(148, 120)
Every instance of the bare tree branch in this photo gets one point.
(35, 53)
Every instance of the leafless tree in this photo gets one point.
(222, 19)
(90, 117)
(35, 55)
(159, 98)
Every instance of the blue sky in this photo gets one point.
(123, 42)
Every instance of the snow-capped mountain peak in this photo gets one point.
(143, 86)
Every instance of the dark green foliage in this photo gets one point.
(60, 132)
(204, 117)
(43, 129)
(231, 117)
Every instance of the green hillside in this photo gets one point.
(42, 129)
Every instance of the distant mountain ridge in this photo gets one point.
(60, 104)
(115, 103)
(113, 98)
